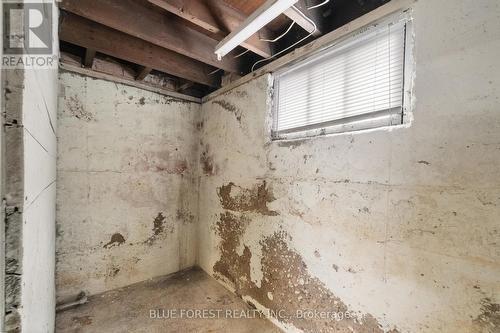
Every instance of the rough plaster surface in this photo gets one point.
(126, 205)
(400, 227)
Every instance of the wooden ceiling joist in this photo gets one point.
(135, 19)
(217, 17)
(143, 72)
(89, 58)
(85, 33)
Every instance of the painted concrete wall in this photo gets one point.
(40, 153)
(401, 227)
(30, 97)
(126, 205)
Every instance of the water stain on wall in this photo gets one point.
(286, 287)
(162, 161)
(238, 199)
(200, 125)
(207, 162)
(116, 240)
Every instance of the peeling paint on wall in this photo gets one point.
(286, 278)
(256, 199)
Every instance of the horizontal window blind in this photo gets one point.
(360, 77)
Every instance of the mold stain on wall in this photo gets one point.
(229, 107)
(75, 107)
(158, 228)
(116, 240)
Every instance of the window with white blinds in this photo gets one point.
(355, 84)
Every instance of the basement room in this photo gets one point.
(241, 166)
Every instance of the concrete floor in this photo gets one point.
(128, 309)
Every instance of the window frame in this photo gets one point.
(399, 117)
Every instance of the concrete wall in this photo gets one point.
(400, 227)
(126, 205)
(30, 104)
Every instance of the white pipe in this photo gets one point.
(82, 299)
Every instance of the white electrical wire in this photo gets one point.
(298, 42)
(215, 71)
(318, 5)
(280, 36)
(239, 55)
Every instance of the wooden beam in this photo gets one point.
(314, 15)
(135, 19)
(85, 33)
(185, 86)
(127, 81)
(143, 72)
(217, 17)
(89, 58)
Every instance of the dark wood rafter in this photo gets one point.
(143, 72)
(218, 18)
(119, 76)
(176, 37)
(135, 19)
(82, 32)
(89, 57)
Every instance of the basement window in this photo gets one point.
(358, 83)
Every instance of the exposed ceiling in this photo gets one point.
(176, 39)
